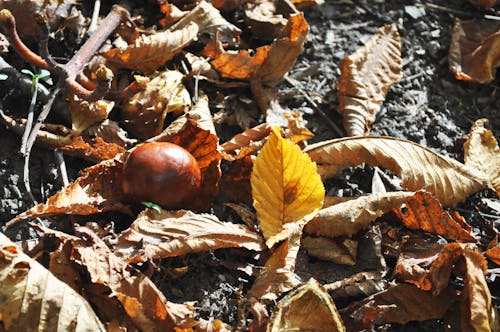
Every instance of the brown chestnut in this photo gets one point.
(162, 173)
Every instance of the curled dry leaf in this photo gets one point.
(366, 75)
(199, 113)
(110, 132)
(481, 152)
(245, 143)
(270, 63)
(285, 185)
(110, 279)
(493, 254)
(361, 284)
(348, 218)
(209, 20)
(278, 276)
(150, 52)
(264, 20)
(400, 304)
(85, 114)
(33, 299)
(93, 149)
(156, 235)
(419, 167)
(144, 113)
(97, 190)
(475, 50)
(340, 251)
(484, 4)
(306, 308)
(422, 211)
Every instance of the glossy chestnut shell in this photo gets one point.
(162, 173)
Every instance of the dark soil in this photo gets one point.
(428, 106)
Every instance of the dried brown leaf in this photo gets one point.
(493, 254)
(33, 299)
(481, 152)
(150, 52)
(265, 21)
(474, 51)
(110, 132)
(348, 218)
(422, 211)
(245, 143)
(340, 251)
(366, 75)
(419, 167)
(361, 284)
(93, 149)
(306, 308)
(235, 183)
(156, 235)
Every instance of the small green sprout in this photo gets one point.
(152, 205)
(35, 77)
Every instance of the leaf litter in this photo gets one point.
(265, 177)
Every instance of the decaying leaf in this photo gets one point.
(33, 299)
(156, 235)
(366, 75)
(110, 132)
(270, 63)
(419, 167)
(278, 275)
(300, 4)
(348, 218)
(361, 284)
(484, 4)
(150, 52)
(144, 113)
(264, 19)
(108, 278)
(475, 50)
(481, 152)
(245, 143)
(306, 308)
(85, 114)
(493, 254)
(401, 304)
(422, 211)
(93, 149)
(287, 191)
(340, 251)
(97, 190)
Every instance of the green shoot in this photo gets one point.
(152, 205)
(35, 77)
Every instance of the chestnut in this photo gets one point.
(162, 173)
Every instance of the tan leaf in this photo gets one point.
(33, 299)
(95, 149)
(361, 284)
(85, 114)
(484, 4)
(285, 185)
(156, 235)
(270, 63)
(366, 75)
(263, 19)
(474, 50)
(111, 132)
(108, 278)
(419, 167)
(150, 52)
(348, 218)
(340, 251)
(245, 143)
(97, 190)
(481, 152)
(306, 308)
(209, 20)
(400, 304)
(144, 113)
(422, 211)
(278, 275)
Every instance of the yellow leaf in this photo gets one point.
(285, 185)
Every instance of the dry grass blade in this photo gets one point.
(167, 234)
(150, 52)
(33, 299)
(366, 76)
(419, 167)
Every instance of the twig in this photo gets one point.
(95, 17)
(61, 167)
(31, 115)
(456, 12)
(332, 124)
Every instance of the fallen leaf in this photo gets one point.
(156, 235)
(301, 4)
(366, 75)
(474, 50)
(33, 299)
(361, 284)
(340, 251)
(264, 20)
(348, 218)
(95, 149)
(144, 113)
(306, 308)
(400, 304)
(285, 185)
(235, 182)
(85, 114)
(150, 52)
(493, 254)
(245, 143)
(419, 167)
(422, 211)
(110, 132)
(270, 63)
(278, 276)
(481, 152)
